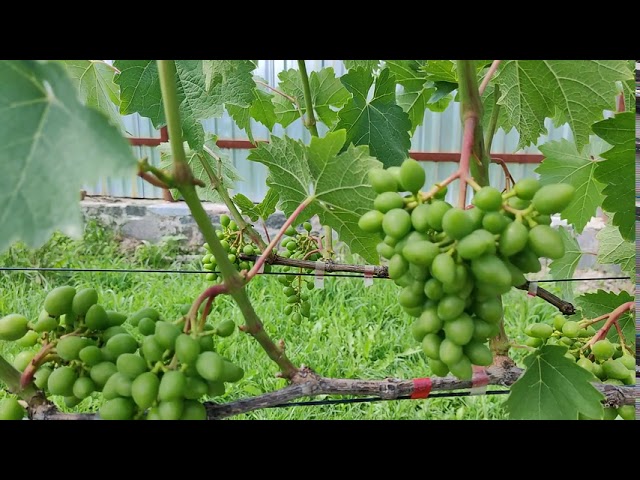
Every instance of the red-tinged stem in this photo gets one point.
(34, 364)
(467, 145)
(209, 293)
(317, 250)
(152, 180)
(205, 312)
(623, 345)
(424, 196)
(256, 267)
(613, 317)
(621, 103)
(487, 78)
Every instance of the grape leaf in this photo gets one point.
(263, 210)
(581, 89)
(336, 182)
(614, 249)
(220, 164)
(418, 92)
(379, 122)
(140, 89)
(57, 145)
(594, 305)
(196, 103)
(441, 70)
(616, 171)
(563, 164)
(261, 109)
(566, 266)
(290, 84)
(140, 92)
(246, 206)
(554, 388)
(223, 71)
(267, 207)
(94, 80)
(327, 94)
(368, 65)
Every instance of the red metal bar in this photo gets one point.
(420, 156)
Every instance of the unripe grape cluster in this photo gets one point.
(300, 246)
(609, 361)
(234, 243)
(454, 264)
(144, 366)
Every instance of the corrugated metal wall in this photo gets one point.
(440, 132)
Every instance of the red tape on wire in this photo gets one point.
(421, 388)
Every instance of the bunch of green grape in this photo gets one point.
(300, 246)
(234, 243)
(609, 361)
(144, 367)
(455, 264)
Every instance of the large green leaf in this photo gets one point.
(94, 80)
(140, 89)
(219, 163)
(580, 89)
(613, 249)
(336, 182)
(379, 122)
(563, 164)
(327, 95)
(565, 266)
(617, 172)
(261, 109)
(600, 303)
(554, 388)
(50, 145)
(140, 92)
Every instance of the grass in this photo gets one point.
(355, 331)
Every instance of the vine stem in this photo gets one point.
(613, 317)
(219, 187)
(328, 242)
(487, 78)
(310, 122)
(267, 251)
(183, 177)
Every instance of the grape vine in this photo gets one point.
(453, 262)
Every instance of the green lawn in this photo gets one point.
(355, 331)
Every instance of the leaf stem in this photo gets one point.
(218, 186)
(310, 121)
(487, 78)
(613, 317)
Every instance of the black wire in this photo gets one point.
(378, 399)
(142, 270)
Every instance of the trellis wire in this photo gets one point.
(132, 270)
